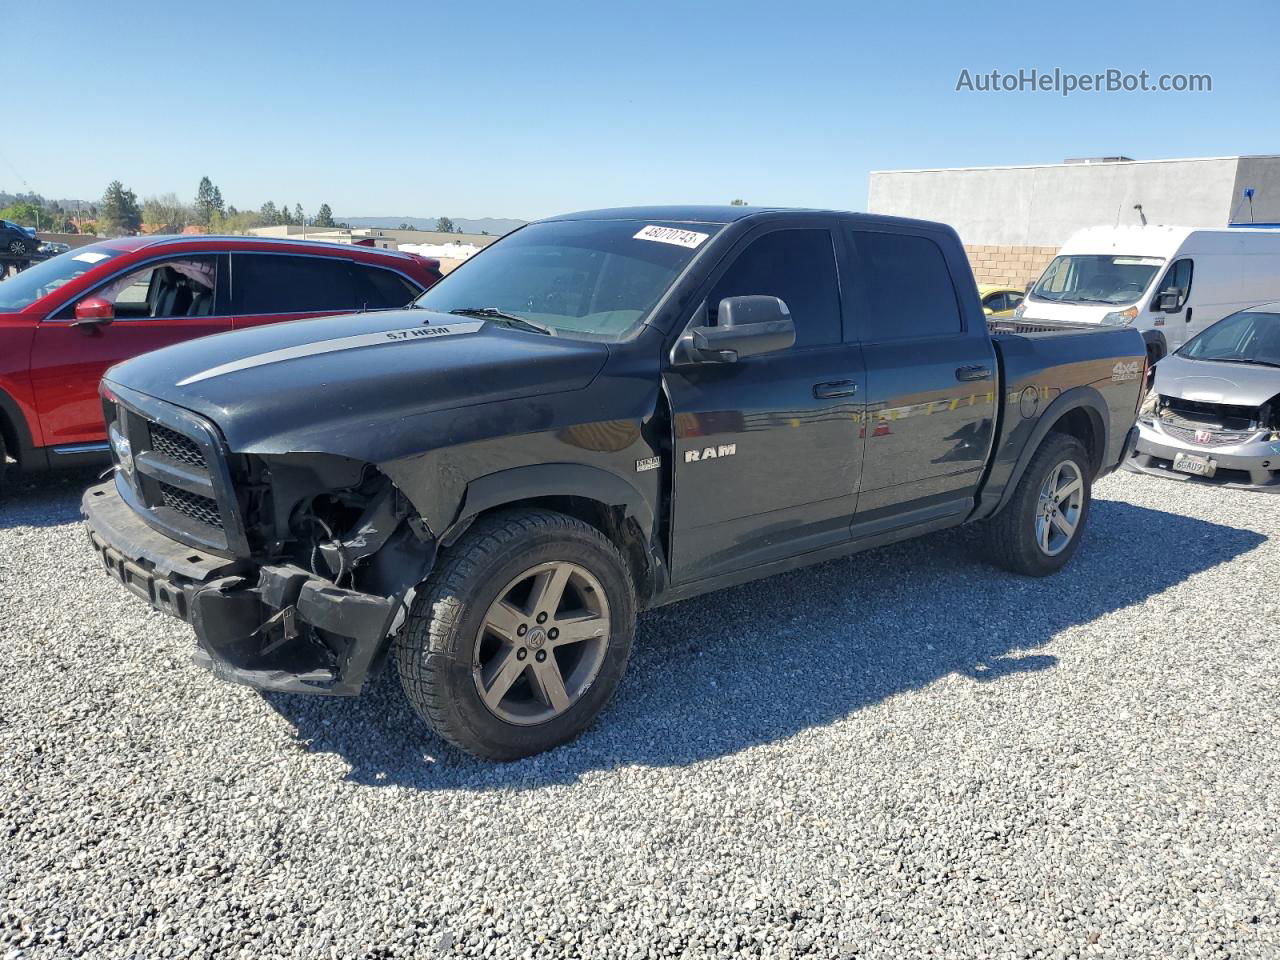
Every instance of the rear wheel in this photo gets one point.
(19, 248)
(1039, 529)
(520, 636)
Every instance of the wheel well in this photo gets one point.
(10, 435)
(612, 521)
(1083, 424)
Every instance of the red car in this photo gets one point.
(63, 322)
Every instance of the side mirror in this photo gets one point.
(1167, 302)
(988, 311)
(745, 327)
(94, 312)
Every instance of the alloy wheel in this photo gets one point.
(542, 643)
(1059, 507)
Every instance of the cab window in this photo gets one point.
(1177, 279)
(905, 286)
(799, 268)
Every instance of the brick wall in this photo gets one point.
(1014, 266)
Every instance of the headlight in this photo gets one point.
(1147, 410)
(1120, 318)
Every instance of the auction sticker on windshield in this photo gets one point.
(681, 238)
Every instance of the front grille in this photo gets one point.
(182, 483)
(191, 505)
(1214, 438)
(174, 446)
(1202, 415)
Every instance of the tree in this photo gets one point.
(444, 225)
(208, 202)
(324, 216)
(298, 216)
(285, 216)
(26, 213)
(166, 213)
(119, 212)
(738, 203)
(269, 214)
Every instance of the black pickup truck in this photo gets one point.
(599, 413)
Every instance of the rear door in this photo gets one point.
(767, 451)
(162, 302)
(931, 378)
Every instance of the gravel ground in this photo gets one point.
(903, 754)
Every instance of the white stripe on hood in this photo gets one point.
(403, 335)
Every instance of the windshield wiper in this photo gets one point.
(511, 319)
(1260, 363)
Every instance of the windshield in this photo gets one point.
(1250, 336)
(591, 278)
(25, 288)
(1094, 278)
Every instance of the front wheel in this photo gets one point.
(520, 636)
(19, 248)
(1039, 529)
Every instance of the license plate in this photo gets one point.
(1189, 463)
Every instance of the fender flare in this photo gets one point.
(549, 480)
(1083, 397)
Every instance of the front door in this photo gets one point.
(1181, 324)
(157, 305)
(767, 450)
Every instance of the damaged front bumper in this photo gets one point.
(271, 627)
(1252, 464)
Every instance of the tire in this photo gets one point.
(1026, 536)
(4, 466)
(460, 656)
(19, 248)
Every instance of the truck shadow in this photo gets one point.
(44, 499)
(762, 662)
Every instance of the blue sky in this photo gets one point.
(525, 109)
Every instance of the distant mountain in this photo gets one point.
(495, 226)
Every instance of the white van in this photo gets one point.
(1168, 282)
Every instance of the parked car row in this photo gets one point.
(1206, 303)
(599, 413)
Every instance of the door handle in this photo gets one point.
(835, 388)
(978, 372)
(1188, 314)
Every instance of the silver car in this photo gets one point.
(1213, 411)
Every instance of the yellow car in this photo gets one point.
(999, 302)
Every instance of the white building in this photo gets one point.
(1013, 219)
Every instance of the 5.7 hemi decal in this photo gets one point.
(424, 332)
(710, 453)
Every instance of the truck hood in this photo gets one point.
(1244, 384)
(334, 384)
